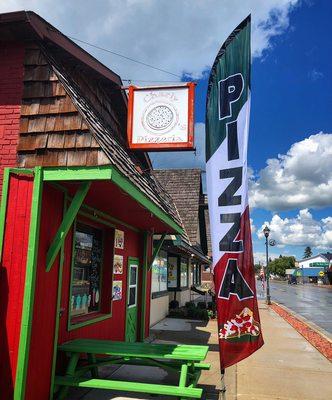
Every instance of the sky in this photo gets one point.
(290, 143)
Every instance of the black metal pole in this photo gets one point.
(267, 273)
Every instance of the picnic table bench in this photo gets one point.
(186, 360)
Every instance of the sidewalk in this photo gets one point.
(287, 367)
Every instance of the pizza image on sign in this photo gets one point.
(241, 325)
(161, 118)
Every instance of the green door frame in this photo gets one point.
(132, 261)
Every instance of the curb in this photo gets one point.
(320, 331)
(309, 331)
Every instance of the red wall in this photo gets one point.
(44, 313)
(41, 349)
(12, 278)
(11, 88)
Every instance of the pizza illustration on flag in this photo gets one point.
(242, 324)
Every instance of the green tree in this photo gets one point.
(307, 252)
(279, 265)
(257, 268)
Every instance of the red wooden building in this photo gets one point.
(73, 198)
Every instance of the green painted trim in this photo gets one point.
(130, 261)
(126, 185)
(90, 321)
(25, 171)
(78, 173)
(57, 315)
(66, 223)
(144, 283)
(3, 207)
(157, 249)
(30, 278)
(108, 172)
(96, 212)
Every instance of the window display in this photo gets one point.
(184, 273)
(159, 273)
(86, 274)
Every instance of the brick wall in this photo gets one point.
(11, 87)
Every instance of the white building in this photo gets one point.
(319, 258)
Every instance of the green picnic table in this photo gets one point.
(184, 359)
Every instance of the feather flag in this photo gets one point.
(227, 127)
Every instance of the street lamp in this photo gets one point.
(266, 232)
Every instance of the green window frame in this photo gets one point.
(102, 312)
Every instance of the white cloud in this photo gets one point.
(180, 36)
(252, 226)
(302, 178)
(260, 257)
(303, 230)
(314, 75)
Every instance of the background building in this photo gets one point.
(181, 259)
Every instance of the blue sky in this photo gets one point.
(291, 100)
(290, 144)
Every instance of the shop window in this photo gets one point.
(172, 276)
(86, 272)
(132, 296)
(183, 273)
(196, 274)
(159, 273)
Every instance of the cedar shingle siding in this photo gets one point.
(74, 110)
(184, 186)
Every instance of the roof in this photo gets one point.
(29, 26)
(184, 186)
(327, 255)
(60, 70)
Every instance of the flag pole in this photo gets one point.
(222, 386)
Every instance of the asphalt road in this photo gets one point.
(310, 302)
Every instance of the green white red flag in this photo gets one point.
(227, 128)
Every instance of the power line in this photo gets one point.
(125, 57)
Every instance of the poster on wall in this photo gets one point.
(118, 264)
(172, 279)
(119, 239)
(117, 290)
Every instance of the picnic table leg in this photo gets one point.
(183, 377)
(94, 370)
(70, 371)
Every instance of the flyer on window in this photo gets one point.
(119, 239)
(117, 290)
(118, 264)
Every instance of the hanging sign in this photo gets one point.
(161, 118)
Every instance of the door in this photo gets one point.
(131, 314)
